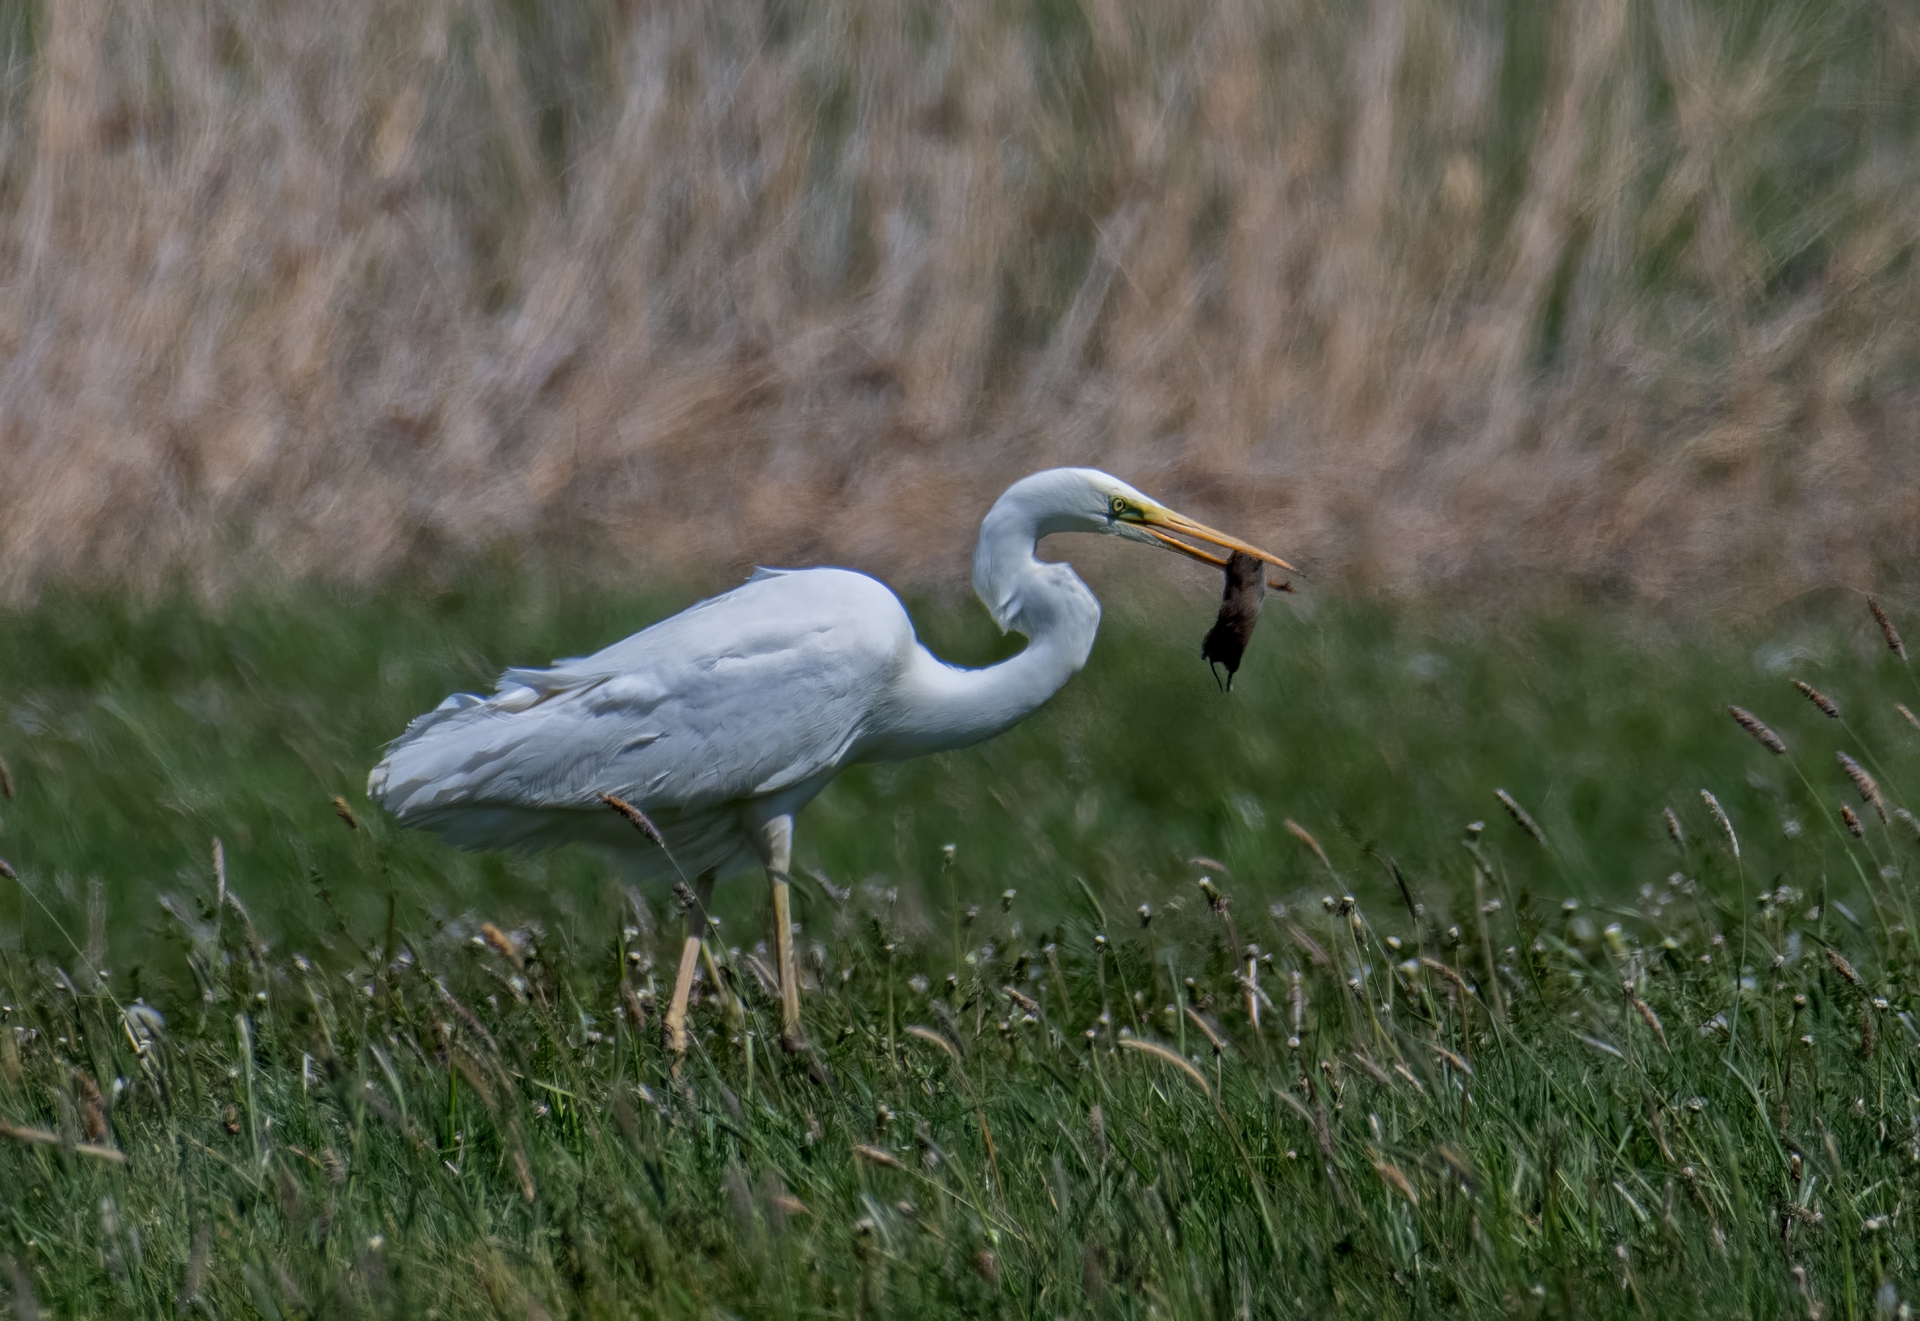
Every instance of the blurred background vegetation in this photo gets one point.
(1466, 294)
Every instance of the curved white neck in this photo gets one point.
(944, 706)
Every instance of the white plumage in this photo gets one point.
(724, 720)
(738, 709)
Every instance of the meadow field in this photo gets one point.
(1169, 1003)
(1529, 933)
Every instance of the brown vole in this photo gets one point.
(1226, 641)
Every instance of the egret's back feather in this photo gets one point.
(746, 697)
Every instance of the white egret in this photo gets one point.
(722, 721)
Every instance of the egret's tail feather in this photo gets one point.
(410, 762)
(458, 772)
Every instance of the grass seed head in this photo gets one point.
(1867, 786)
(1457, 1161)
(501, 943)
(345, 813)
(1841, 966)
(1448, 971)
(1903, 709)
(631, 1002)
(878, 1156)
(1674, 832)
(1651, 1019)
(1828, 707)
(196, 1263)
(1391, 1175)
(1172, 1057)
(1373, 1071)
(1887, 630)
(1305, 836)
(1208, 1031)
(639, 819)
(1720, 815)
(93, 1119)
(1757, 727)
(1852, 819)
(935, 1039)
(1519, 814)
(6, 780)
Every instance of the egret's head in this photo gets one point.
(1088, 500)
(1079, 500)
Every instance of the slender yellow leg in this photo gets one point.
(789, 976)
(689, 959)
(776, 850)
(682, 988)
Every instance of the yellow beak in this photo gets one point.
(1152, 521)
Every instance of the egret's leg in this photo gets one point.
(689, 959)
(776, 849)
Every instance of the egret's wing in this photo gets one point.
(741, 696)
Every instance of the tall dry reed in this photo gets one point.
(1417, 290)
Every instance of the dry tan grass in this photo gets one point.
(1410, 290)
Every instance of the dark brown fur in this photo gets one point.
(1226, 641)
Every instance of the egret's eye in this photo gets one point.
(1120, 505)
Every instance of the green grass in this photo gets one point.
(355, 1105)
